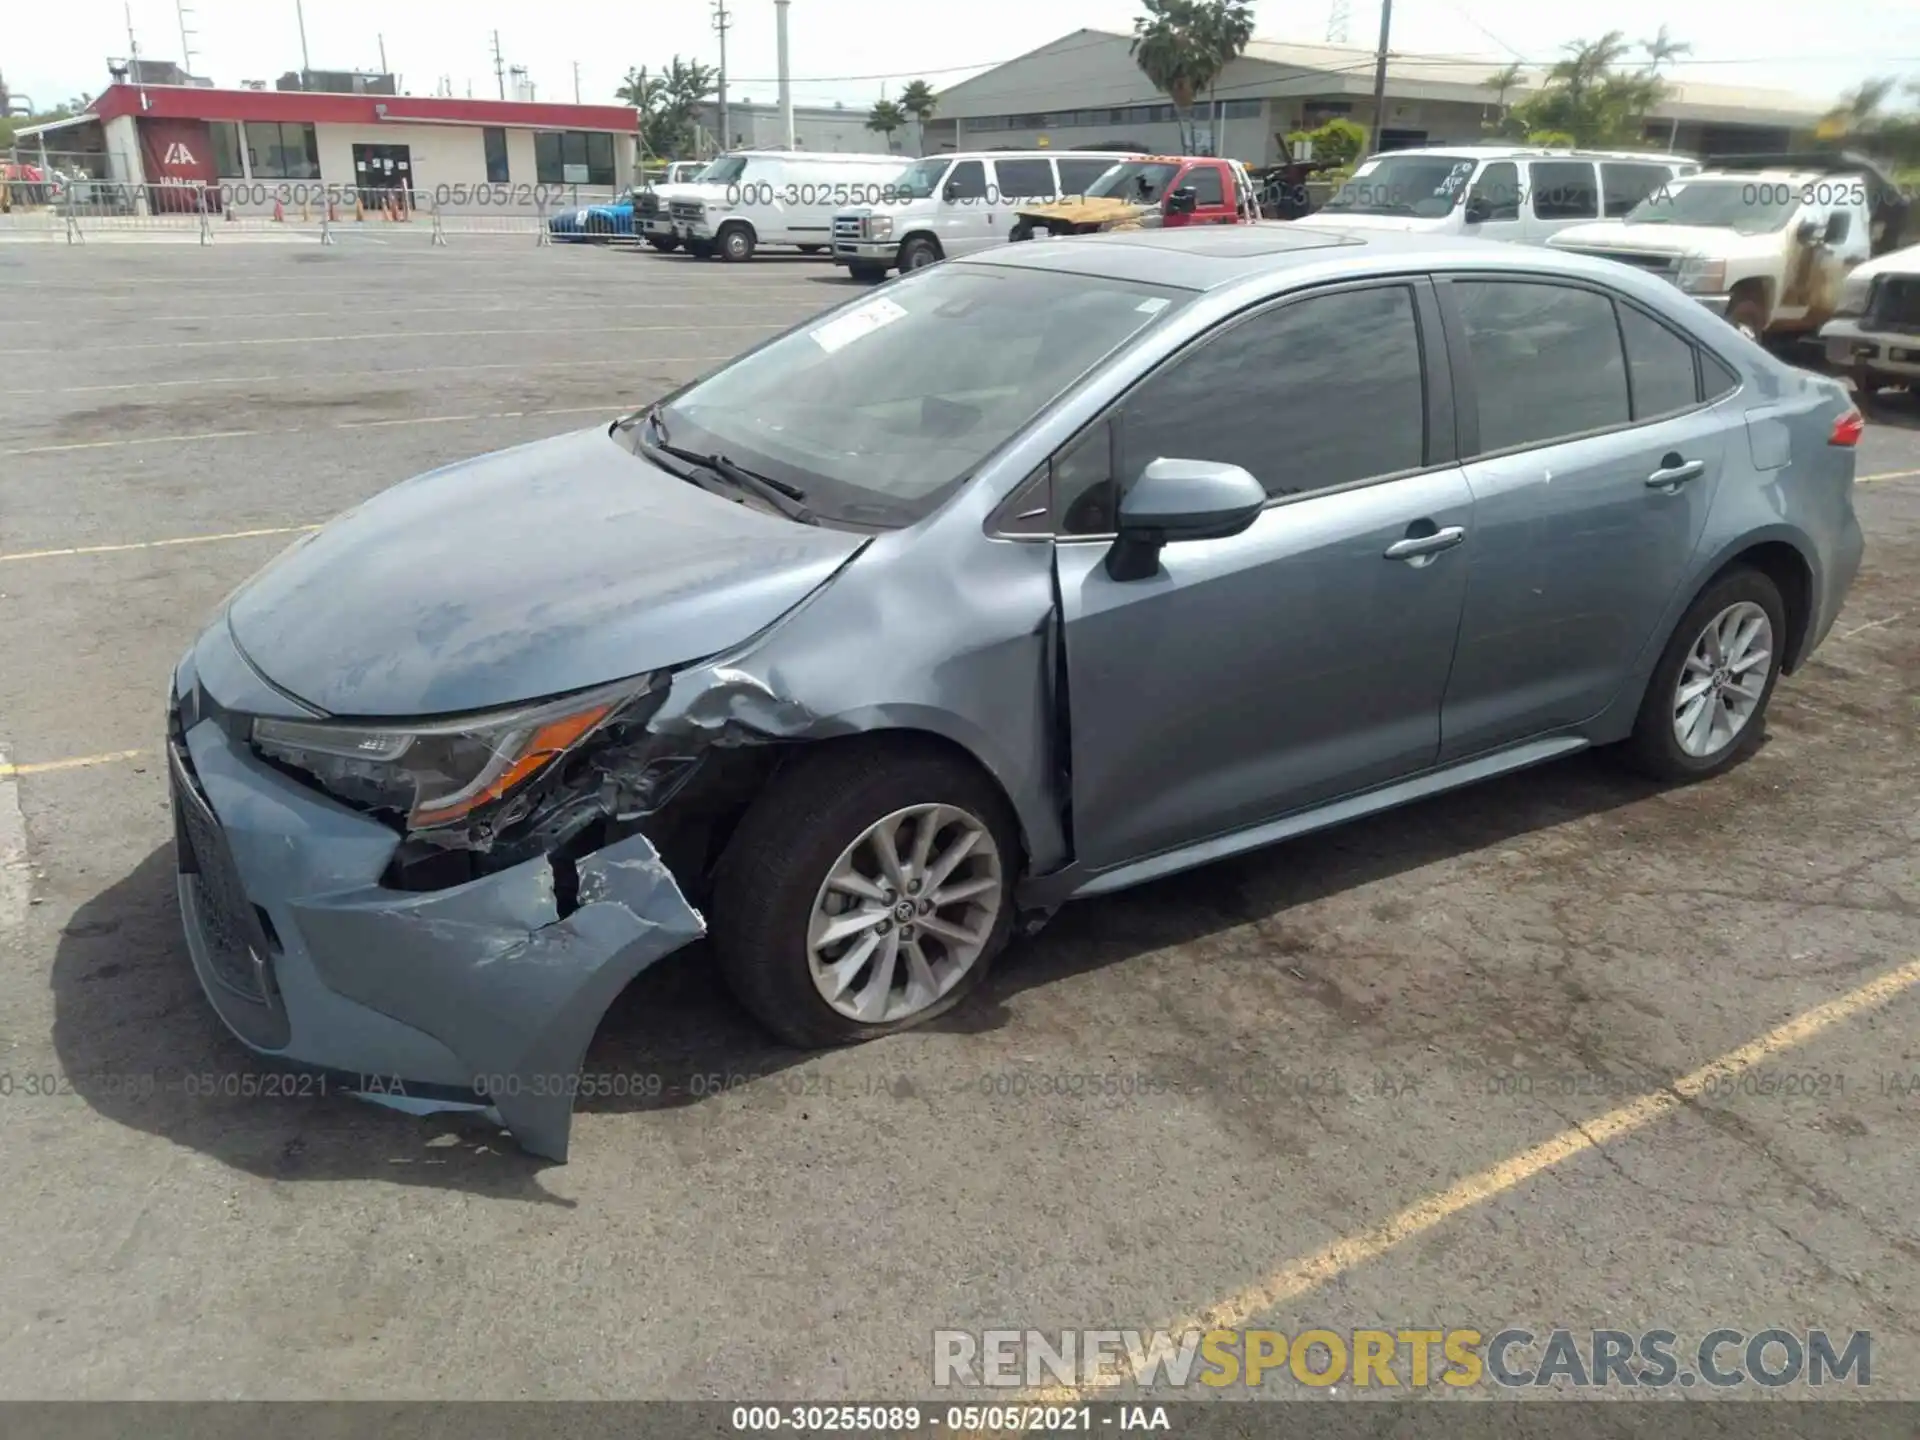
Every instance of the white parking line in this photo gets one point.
(126, 545)
(13, 851)
(609, 409)
(627, 362)
(392, 335)
(599, 306)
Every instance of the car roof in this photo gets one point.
(1212, 257)
(1539, 152)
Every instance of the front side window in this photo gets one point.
(1315, 393)
(967, 182)
(880, 409)
(1547, 362)
(1564, 190)
(1425, 186)
(1496, 194)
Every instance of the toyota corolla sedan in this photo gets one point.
(1023, 578)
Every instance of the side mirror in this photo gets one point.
(1478, 211)
(1183, 201)
(1175, 500)
(950, 192)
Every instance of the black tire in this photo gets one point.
(918, 253)
(1022, 230)
(699, 249)
(1653, 748)
(1748, 315)
(872, 274)
(665, 244)
(735, 243)
(770, 874)
(811, 249)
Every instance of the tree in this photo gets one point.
(667, 103)
(1587, 100)
(1181, 46)
(1662, 48)
(886, 117)
(919, 101)
(1339, 140)
(1500, 82)
(11, 123)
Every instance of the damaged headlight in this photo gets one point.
(439, 772)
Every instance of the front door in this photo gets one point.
(1494, 201)
(967, 200)
(1212, 196)
(383, 173)
(1592, 461)
(1298, 661)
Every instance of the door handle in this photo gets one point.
(1675, 473)
(1415, 546)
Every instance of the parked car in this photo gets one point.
(775, 197)
(1495, 192)
(988, 590)
(598, 223)
(1874, 335)
(1146, 191)
(950, 205)
(1755, 239)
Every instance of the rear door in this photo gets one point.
(1560, 193)
(1305, 658)
(1593, 459)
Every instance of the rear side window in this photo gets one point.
(1716, 378)
(1496, 194)
(1659, 366)
(1312, 394)
(1547, 362)
(966, 181)
(1564, 190)
(1025, 179)
(1624, 185)
(1077, 175)
(1205, 180)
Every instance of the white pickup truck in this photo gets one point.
(1874, 335)
(1767, 242)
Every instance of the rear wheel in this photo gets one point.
(1706, 704)
(918, 253)
(736, 243)
(867, 891)
(870, 273)
(1022, 230)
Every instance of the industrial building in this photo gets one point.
(162, 143)
(1085, 90)
(830, 128)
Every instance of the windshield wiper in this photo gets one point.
(787, 499)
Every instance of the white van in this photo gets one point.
(955, 204)
(775, 197)
(1495, 192)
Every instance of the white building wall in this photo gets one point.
(123, 150)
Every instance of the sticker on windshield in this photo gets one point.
(855, 323)
(1152, 305)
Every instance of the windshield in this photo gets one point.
(1427, 186)
(1738, 205)
(723, 171)
(878, 410)
(1143, 182)
(917, 182)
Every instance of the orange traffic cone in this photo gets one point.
(359, 207)
(279, 214)
(333, 213)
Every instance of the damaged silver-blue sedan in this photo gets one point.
(1028, 576)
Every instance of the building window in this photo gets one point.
(226, 150)
(495, 141)
(282, 151)
(588, 153)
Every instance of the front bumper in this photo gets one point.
(480, 995)
(1849, 347)
(865, 252)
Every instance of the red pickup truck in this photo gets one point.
(1168, 190)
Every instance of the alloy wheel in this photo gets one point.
(905, 913)
(1723, 680)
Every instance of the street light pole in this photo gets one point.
(1380, 78)
(305, 64)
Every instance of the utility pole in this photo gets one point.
(306, 65)
(133, 52)
(186, 45)
(1380, 78)
(499, 66)
(722, 21)
(382, 41)
(786, 87)
(576, 82)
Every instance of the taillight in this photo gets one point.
(1848, 429)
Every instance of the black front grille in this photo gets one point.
(226, 914)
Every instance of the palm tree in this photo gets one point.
(886, 117)
(646, 94)
(1661, 49)
(1500, 82)
(919, 101)
(1183, 45)
(1858, 110)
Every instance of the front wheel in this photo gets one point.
(1706, 704)
(917, 254)
(1022, 230)
(867, 891)
(736, 244)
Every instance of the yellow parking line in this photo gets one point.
(77, 762)
(1331, 1261)
(155, 544)
(1886, 475)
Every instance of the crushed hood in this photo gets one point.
(534, 571)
